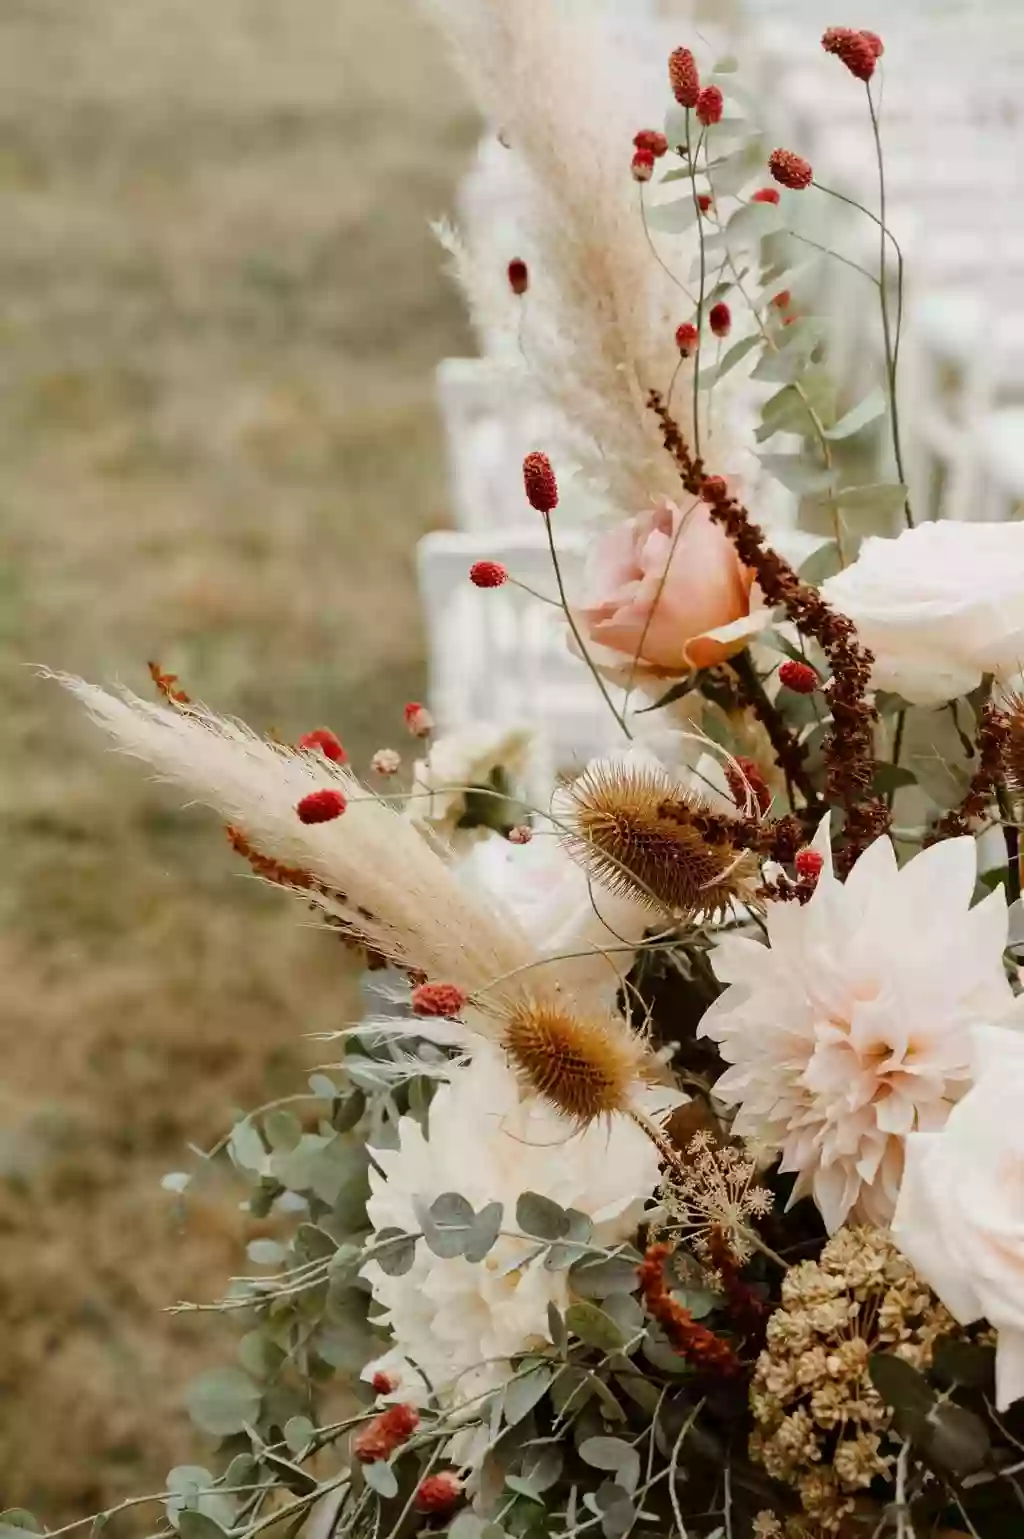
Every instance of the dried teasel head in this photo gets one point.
(586, 1066)
(638, 832)
(1013, 741)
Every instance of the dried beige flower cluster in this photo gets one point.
(714, 1191)
(821, 1424)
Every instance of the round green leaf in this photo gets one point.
(380, 1477)
(484, 1232)
(538, 1215)
(594, 1327)
(299, 1431)
(282, 1128)
(222, 1401)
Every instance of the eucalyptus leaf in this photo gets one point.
(625, 1310)
(749, 224)
(282, 1128)
(594, 1327)
(734, 355)
(556, 1329)
(673, 218)
(823, 563)
(868, 410)
(299, 1432)
(322, 1086)
(538, 1215)
(223, 1400)
(519, 1485)
(466, 1526)
(933, 749)
(613, 1453)
(266, 1252)
(790, 359)
(879, 497)
(349, 1111)
(175, 1181)
(890, 778)
(616, 1509)
(963, 1362)
(524, 1391)
(21, 1519)
(900, 1385)
(196, 1525)
(593, 1277)
(731, 173)
(484, 1232)
(797, 474)
(245, 1146)
(956, 1439)
(542, 1466)
(395, 1251)
(380, 1477)
(259, 1354)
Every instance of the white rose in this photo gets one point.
(960, 1215)
(939, 606)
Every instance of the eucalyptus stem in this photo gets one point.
(602, 686)
(892, 343)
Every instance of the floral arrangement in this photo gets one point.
(677, 1186)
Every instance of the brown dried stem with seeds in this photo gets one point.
(693, 1341)
(995, 738)
(849, 748)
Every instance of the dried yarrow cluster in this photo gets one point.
(714, 1191)
(821, 1425)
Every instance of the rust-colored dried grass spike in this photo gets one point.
(637, 832)
(585, 1066)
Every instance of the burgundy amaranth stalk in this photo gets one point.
(849, 748)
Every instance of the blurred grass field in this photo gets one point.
(220, 308)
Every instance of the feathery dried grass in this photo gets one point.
(599, 318)
(620, 833)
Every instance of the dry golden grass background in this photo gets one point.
(220, 308)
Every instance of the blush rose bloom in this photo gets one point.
(667, 587)
(960, 1215)
(939, 606)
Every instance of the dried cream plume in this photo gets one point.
(379, 875)
(598, 320)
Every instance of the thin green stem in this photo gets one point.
(892, 343)
(897, 749)
(692, 159)
(602, 686)
(805, 240)
(684, 520)
(656, 254)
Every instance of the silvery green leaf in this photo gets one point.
(797, 473)
(447, 1224)
(485, 1231)
(294, 1167)
(192, 1488)
(20, 1519)
(282, 1128)
(873, 406)
(640, 1390)
(344, 1344)
(222, 1400)
(196, 1525)
(242, 1471)
(395, 1251)
(673, 218)
(259, 1354)
(661, 1355)
(613, 1453)
(542, 1466)
(616, 1509)
(749, 224)
(732, 173)
(733, 356)
(571, 1389)
(891, 778)
(520, 1486)
(880, 497)
(594, 1327)
(594, 1277)
(714, 252)
(523, 1392)
(728, 64)
(322, 1086)
(245, 1146)
(348, 1111)
(299, 1432)
(292, 1476)
(824, 563)
(380, 1477)
(791, 357)
(349, 1208)
(175, 1181)
(625, 1310)
(559, 1257)
(466, 1526)
(538, 1215)
(934, 749)
(899, 1384)
(556, 1329)
(266, 1252)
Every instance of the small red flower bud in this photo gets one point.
(487, 574)
(745, 780)
(418, 719)
(321, 806)
(782, 300)
(386, 1432)
(650, 139)
(518, 276)
(324, 739)
(720, 319)
(386, 762)
(853, 49)
(683, 77)
(808, 865)
(687, 337)
(443, 1000)
(799, 677)
(703, 201)
(709, 105)
(384, 1383)
(521, 834)
(714, 489)
(439, 1493)
(642, 165)
(539, 482)
(790, 170)
(765, 195)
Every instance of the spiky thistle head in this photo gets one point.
(588, 1066)
(1013, 742)
(638, 832)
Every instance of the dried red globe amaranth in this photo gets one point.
(782, 300)
(790, 169)
(855, 49)
(650, 139)
(386, 1432)
(518, 276)
(321, 806)
(720, 319)
(324, 740)
(710, 105)
(687, 337)
(487, 574)
(808, 865)
(642, 165)
(440, 1000)
(539, 482)
(703, 201)
(683, 77)
(439, 1493)
(801, 678)
(384, 1383)
(765, 195)
(418, 719)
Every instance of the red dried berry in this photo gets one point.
(745, 780)
(765, 195)
(518, 276)
(321, 806)
(418, 719)
(384, 1383)
(703, 201)
(441, 1000)
(799, 677)
(853, 49)
(720, 319)
(539, 482)
(439, 1493)
(487, 574)
(650, 139)
(808, 864)
(324, 739)
(790, 169)
(714, 489)
(710, 104)
(687, 337)
(782, 300)
(683, 77)
(642, 165)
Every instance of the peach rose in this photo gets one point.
(695, 615)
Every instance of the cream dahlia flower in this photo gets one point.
(851, 1029)
(459, 1321)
